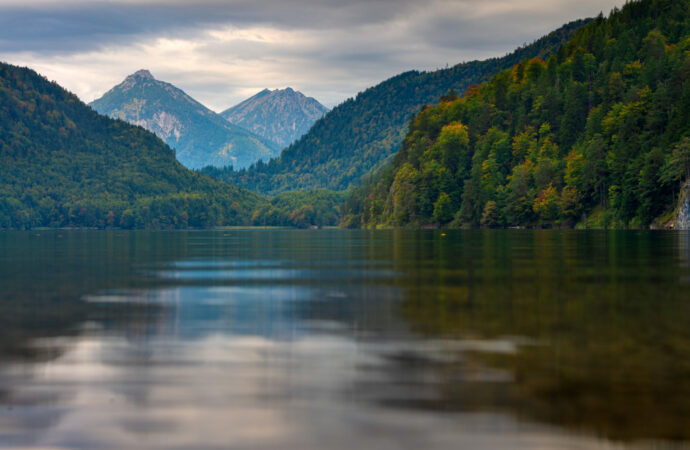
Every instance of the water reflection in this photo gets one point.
(291, 339)
(609, 318)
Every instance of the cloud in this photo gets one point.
(220, 52)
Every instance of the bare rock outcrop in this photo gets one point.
(683, 214)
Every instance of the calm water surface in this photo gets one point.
(268, 339)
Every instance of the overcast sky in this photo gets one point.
(223, 51)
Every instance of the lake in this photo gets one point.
(287, 339)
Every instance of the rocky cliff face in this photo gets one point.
(199, 136)
(683, 215)
(281, 115)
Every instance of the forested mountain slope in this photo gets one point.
(361, 133)
(199, 136)
(62, 164)
(598, 134)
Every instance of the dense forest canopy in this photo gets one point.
(596, 134)
(361, 134)
(318, 208)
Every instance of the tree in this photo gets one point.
(547, 204)
(490, 215)
(570, 203)
(677, 167)
(443, 209)
(404, 197)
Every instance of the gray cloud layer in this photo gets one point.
(84, 25)
(223, 51)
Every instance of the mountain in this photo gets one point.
(281, 115)
(360, 135)
(598, 135)
(199, 136)
(62, 164)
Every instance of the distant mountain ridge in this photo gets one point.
(360, 135)
(199, 136)
(280, 115)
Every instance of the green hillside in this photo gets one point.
(598, 134)
(362, 133)
(62, 164)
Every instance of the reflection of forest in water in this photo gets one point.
(602, 321)
(586, 330)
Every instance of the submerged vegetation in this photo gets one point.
(597, 134)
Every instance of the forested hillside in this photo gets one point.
(596, 134)
(62, 164)
(361, 133)
(319, 208)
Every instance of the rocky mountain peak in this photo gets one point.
(280, 115)
(199, 136)
(138, 76)
(143, 73)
